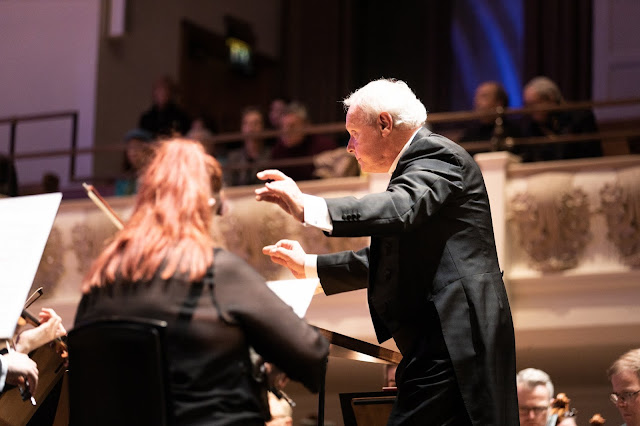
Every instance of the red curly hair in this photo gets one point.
(170, 224)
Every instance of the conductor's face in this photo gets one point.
(366, 142)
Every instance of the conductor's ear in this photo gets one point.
(385, 122)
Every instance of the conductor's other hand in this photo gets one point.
(20, 368)
(287, 253)
(280, 189)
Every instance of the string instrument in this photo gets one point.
(51, 359)
(560, 409)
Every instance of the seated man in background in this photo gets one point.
(624, 375)
(244, 163)
(489, 97)
(543, 92)
(294, 143)
(535, 395)
(165, 117)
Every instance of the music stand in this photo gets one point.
(342, 346)
(366, 408)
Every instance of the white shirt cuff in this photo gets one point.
(316, 213)
(311, 266)
(4, 368)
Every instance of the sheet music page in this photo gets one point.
(296, 293)
(25, 224)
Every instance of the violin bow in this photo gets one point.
(95, 196)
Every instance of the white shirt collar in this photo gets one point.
(404, 148)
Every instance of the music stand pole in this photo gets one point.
(321, 395)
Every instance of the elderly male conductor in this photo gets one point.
(432, 273)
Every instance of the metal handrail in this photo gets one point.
(337, 127)
(13, 124)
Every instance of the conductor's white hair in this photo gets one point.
(392, 96)
(532, 377)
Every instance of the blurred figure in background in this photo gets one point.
(294, 143)
(543, 92)
(243, 163)
(277, 107)
(137, 154)
(8, 177)
(165, 117)
(50, 182)
(490, 96)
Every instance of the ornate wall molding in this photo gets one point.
(552, 221)
(620, 202)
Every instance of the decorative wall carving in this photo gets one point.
(621, 207)
(552, 220)
(89, 237)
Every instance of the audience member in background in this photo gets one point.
(202, 130)
(543, 92)
(165, 117)
(294, 143)
(535, 395)
(624, 375)
(164, 265)
(138, 152)
(243, 163)
(8, 177)
(50, 182)
(489, 97)
(277, 108)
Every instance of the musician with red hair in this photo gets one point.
(163, 266)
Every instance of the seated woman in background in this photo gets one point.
(163, 266)
(137, 154)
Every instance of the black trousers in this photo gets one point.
(428, 392)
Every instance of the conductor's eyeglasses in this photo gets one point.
(623, 397)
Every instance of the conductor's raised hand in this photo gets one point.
(287, 253)
(280, 189)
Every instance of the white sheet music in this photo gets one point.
(25, 224)
(295, 293)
